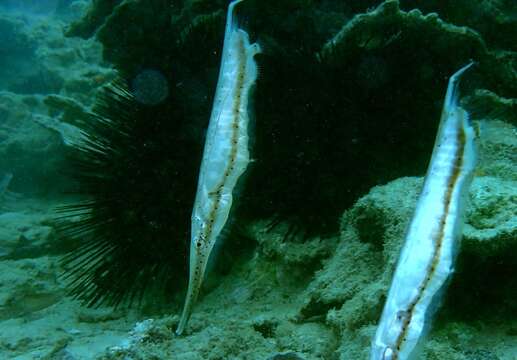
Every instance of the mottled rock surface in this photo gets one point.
(46, 83)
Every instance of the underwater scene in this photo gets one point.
(258, 179)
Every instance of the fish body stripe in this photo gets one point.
(234, 141)
(427, 257)
(451, 182)
(226, 154)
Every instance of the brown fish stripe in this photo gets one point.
(458, 163)
(235, 135)
(203, 239)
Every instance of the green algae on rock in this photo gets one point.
(42, 67)
(489, 18)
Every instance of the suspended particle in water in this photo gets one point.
(373, 72)
(150, 87)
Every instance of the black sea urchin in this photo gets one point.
(138, 173)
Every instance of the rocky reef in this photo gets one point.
(322, 299)
(47, 82)
(347, 106)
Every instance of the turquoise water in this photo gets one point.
(104, 107)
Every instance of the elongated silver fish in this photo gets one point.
(226, 153)
(427, 257)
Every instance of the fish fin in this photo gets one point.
(451, 97)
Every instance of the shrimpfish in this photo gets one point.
(226, 154)
(427, 257)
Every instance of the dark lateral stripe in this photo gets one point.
(241, 76)
(233, 154)
(431, 268)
